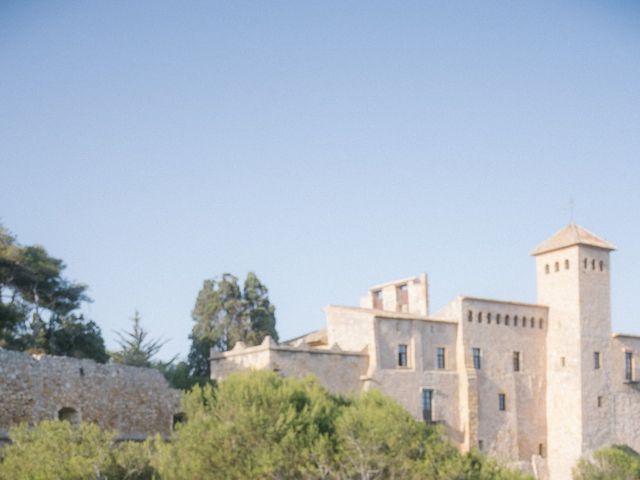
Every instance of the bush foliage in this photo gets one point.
(256, 425)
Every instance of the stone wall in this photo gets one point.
(135, 402)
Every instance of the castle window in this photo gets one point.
(541, 323)
(476, 359)
(601, 265)
(440, 360)
(541, 449)
(515, 321)
(516, 361)
(427, 405)
(480, 445)
(498, 319)
(378, 302)
(566, 264)
(586, 263)
(502, 402)
(533, 322)
(488, 318)
(593, 264)
(506, 320)
(557, 266)
(470, 316)
(403, 298)
(479, 317)
(599, 401)
(628, 366)
(68, 414)
(402, 355)
(546, 269)
(563, 361)
(596, 360)
(81, 372)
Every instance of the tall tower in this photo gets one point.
(572, 269)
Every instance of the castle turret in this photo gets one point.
(573, 281)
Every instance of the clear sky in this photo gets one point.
(327, 146)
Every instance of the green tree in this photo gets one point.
(224, 314)
(618, 462)
(38, 305)
(136, 348)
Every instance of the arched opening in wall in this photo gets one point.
(586, 263)
(506, 320)
(593, 264)
(541, 323)
(533, 322)
(601, 265)
(68, 414)
(557, 266)
(515, 321)
(488, 318)
(479, 317)
(566, 264)
(498, 319)
(470, 316)
(178, 419)
(546, 268)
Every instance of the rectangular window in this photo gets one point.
(599, 402)
(516, 361)
(403, 298)
(502, 402)
(476, 359)
(440, 361)
(541, 449)
(596, 360)
(427, 405)
(480, 445)
(378, 302)
(628, 366)
(402, 356)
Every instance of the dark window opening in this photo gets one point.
(378, 301)
(546, 269)
(479, 317)
(81, 372)
(480, 445)
(427, 405)
(596, 360)
(178, 419)
(470, 316)
(402, 356)
(516, 361)
(601, 265)
(599, 402)
(593, 264)
(566, 264)
(541, 323)
(515, 321)
(557, 266)
(506, 320)
(68, 414)
(488, 318)
(498, 319)
(541, 449)
(477, 364)
(403, 298)
(628, 366)
(502, 402)
(563, 361)
(586, 263)
(440, 359)
(533, 322)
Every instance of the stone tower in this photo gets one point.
(572, 269)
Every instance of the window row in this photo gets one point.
(403, 356)
(586, 262)
(506, 320)
(556, 267)
(476, 355)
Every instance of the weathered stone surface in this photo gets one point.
(136, 402)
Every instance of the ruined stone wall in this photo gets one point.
(136, 402)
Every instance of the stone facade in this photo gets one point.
(534, 385)
(136, 402)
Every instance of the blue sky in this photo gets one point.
(327, 146)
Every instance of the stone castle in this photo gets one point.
(534, 385)
(135, 402)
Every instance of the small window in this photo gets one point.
(403, 298)
(506, 320)
(541, 323)
(516, 361)
(81, 372)
(477, 364)
(480, 445)
(479, 317)
(601, 265)
(515, 321)
(378, 301)
(628, 366)
(586, 263)
(541, 449)
(440, 358)
(566, 264)
(498, 319)
(546, 269)
(402, 355)
(563, 361)
(488, 318)
(593, 264)
(596, 360)
(470, 316)
(533, 322)
(599, 401)
(502, 402)
(68, 414)
(427, 405)
(557, 266)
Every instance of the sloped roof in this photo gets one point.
(571, 235)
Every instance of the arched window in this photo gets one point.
(593, 264)
(546, 269)
(515, 321)
(566, 264)
(541, 323)
(557, 266)
(470, 316)
(533, 322)
(68, 414)
(506, 320)
(585, 263)
(498, 319)
(601, 265)
(479, 317)
(488, 318)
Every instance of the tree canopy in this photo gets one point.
(136, 348)
(618, 462)
(38, 305)
(225, 313)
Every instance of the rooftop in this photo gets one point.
(570, 235)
